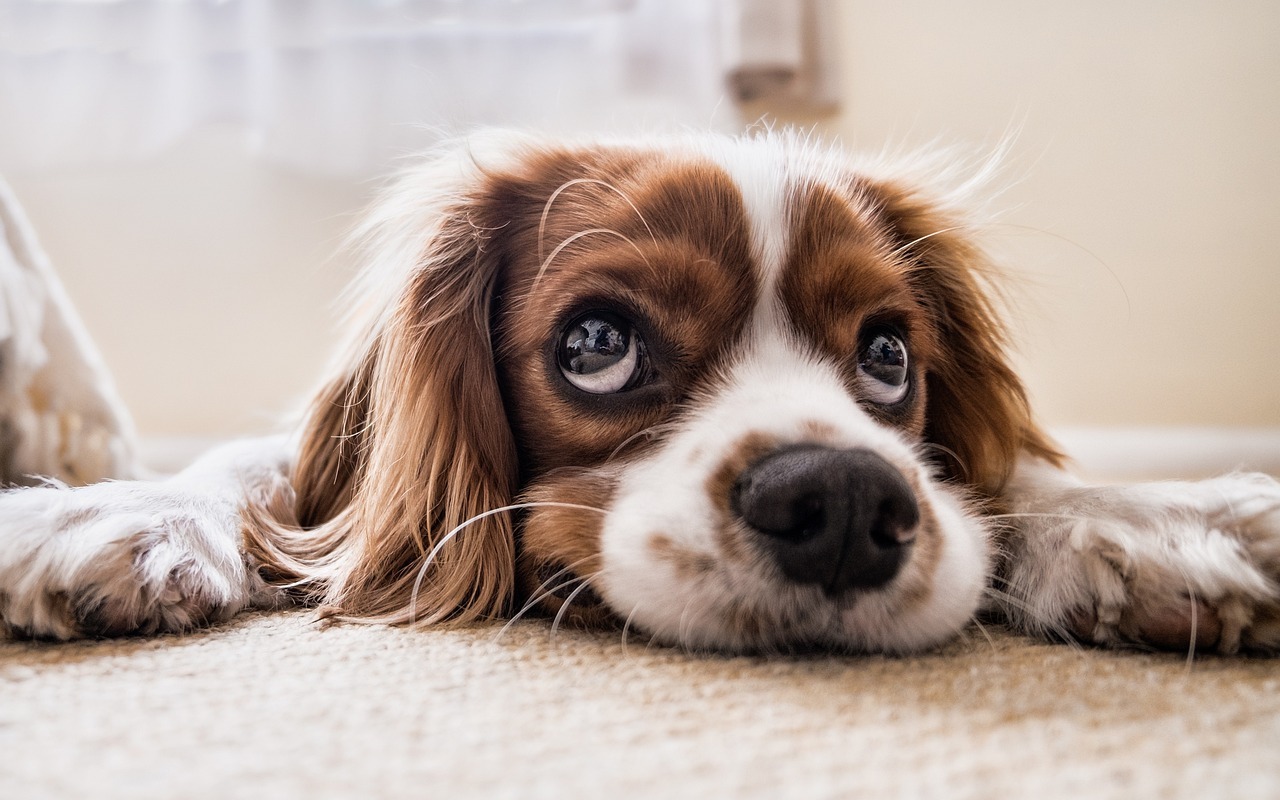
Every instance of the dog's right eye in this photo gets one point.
(601, 353)
(882, 366)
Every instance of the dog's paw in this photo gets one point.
(118, 558)
(1167, 565)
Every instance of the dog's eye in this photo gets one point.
(601, 353)
(882, 366)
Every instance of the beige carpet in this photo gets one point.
(276, 706)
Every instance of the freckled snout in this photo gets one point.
(841, 519)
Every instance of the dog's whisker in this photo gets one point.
(448, 537)
(542, 591)
(626, 628)
(964, 468)
(898, 251)
(564, 609)
(1091, 254)
(1038, 617)
(977, 623)
(303, 581)
(571, 581)
(683, 626)
(542, 269)
(1195, 617)
(1036, 515)
(649, 432)
(546, 208)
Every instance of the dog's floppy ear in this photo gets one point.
(409, 445)
(977, 407)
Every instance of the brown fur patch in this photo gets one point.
(729, 534)
(689, 565)
(405, 452)
(815, 432)
(560, 545)
(670, 254)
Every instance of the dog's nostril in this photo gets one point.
(842, 519)
(797, 519)
(895, 521)
(810, 513)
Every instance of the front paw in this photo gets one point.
(1169, 565)
(114, 559)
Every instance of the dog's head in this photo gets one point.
(741, 392)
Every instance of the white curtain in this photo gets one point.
(343, 86)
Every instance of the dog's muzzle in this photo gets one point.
(841, 519)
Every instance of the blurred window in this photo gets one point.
(342, 86)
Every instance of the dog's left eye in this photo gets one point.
(601, 353)
(882, 366)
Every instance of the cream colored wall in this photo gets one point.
(1144, 219)
(208, 279)
(1141, 219)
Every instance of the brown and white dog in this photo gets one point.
(736, 393)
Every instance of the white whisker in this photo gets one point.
(546, 208)
(651, 431)
(1046, 624)
(626, 627)
(448, 537)
(541, 592)
(555, 624)
(983, 630)
(941, 231)
(1035, 515)
(964, 468)
(542, 269)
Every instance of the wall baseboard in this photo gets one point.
(1173, 452)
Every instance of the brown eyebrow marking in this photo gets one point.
(841, 273)
(569, 184)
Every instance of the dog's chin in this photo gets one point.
(769, 615)
(859, 623)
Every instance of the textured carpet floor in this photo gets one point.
(276, 706)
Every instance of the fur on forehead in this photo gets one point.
(454, 179)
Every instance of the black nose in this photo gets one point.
(841, 519)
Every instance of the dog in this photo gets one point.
(737, 394)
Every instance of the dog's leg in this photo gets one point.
(125, 557)
(1170, 565)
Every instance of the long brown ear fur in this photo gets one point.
(978, 414)
(409, 443)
